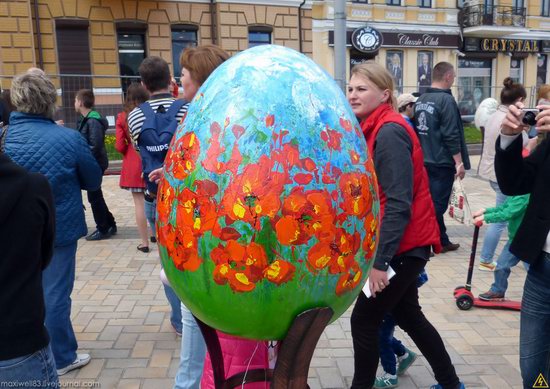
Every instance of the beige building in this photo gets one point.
(108, 39)
(486, 42)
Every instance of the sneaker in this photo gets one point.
(405, 361)
(81, 360)
(153, 239)
(386, 381)
(113, 230)
(491, 296)
(450, 247)
(178, 332)
(487, 266)
(437, 386)
(98, 235)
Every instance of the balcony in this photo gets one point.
(492, 21)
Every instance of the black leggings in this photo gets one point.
(400, 298)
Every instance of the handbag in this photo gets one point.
(459, 209)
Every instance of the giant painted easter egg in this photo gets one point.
(268, 206)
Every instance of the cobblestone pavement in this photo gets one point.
(120, 315)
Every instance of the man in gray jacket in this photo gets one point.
(441, 135)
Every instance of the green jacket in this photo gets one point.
(511, 211)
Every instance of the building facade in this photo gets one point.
(486, 42)
(99, 44)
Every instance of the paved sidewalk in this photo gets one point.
(121, 318)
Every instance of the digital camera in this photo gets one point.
(529, 115)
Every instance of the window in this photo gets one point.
(542, 63)
(424, 3)
(424, 64)
(131, 51)
(393, 2)
(183, 36)
(545, 8)
(473, 83)
(516, 70)
(394, 65)
(518, 6)
(459, 4)
(360, 1)
(259, 36)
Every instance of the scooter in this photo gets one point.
(463, 294)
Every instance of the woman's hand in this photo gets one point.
(155, 175)
(512, 124)
(543, 118)
(378, 280)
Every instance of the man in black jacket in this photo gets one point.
(27, 227)
(517, 176)
(93, 126)
(439, 128)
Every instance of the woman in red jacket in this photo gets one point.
(130, 176)
(408, 230)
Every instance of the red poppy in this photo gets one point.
(287, 157)
(241, 266)
(346, 124)
(305, 215)
(254, 193)
(279, 272)
(349, 280)
(181, 159)
(214, 152)
(337, 254)
(332, 138)
(355, 158)
(198, 213)
(269, 120)
(181, 245)
(355, 189)
(165, 201)
(369, 243)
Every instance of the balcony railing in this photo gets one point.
(492, 15)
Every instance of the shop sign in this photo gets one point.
(392, 39)
(366, 39)
(421, 40)
(509, 45)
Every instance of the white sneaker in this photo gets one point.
(81, 360)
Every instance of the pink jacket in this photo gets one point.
(238, 355)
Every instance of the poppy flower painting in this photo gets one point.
(268, 206)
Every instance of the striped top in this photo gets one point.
(136, 118)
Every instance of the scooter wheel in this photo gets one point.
(464, 302)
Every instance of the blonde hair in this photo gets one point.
(34, 93)
(543, 92)
(379, 76)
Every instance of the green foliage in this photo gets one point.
(472, 134)
(110, 146)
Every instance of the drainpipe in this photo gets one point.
(38, 35)
(300, 37)
(340, 43)
(213, 22)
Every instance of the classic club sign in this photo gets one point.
(509, 45)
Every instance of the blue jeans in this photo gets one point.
(389, 346)
(534, 336)
(173, 299)
(494, 231)
(58, 282)
(35, 370)
(150, 214)
(506, 261)
(192, 354)
(441, 184)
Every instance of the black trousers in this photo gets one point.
(400, 298)
(441, 185)
(102, 216)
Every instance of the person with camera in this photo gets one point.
(531, 175)
(510, 94)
